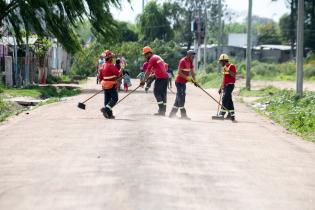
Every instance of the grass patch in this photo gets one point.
(51, 93)
(210, 80)
(295, 114)
(267, 91)
(41, 92)
(8, 109)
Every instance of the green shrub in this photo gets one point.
(309, 71)
(287, 68)
(263, 69)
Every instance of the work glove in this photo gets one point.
(142, 83)
(195, 83)
(190, 79)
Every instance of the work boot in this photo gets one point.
(105, 113)
(162, 109)
(173, 112)
(184, 114)
(146, 89)
(108, 113)
(228, 116)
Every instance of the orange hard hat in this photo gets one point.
(108, 54)
(147, 49)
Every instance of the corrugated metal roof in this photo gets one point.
(10, 40)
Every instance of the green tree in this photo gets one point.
(58, 18)
(153, 23)
(285, 30)
(268, 34)
(125, 32)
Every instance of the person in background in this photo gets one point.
(127, 81)
(100, 62)
(170, 76)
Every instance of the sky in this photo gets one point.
(262, 8)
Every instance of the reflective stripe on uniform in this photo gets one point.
(181, 107)
(222, 110)
(159, 61)
(109, 107)
(175, 107)
(164, 104)
(110, 77)
(186, 69)
(160, 102)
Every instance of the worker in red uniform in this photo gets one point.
(227, 86)
(185, 74)
(108, 76)
(157, 67)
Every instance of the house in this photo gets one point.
(21, 66)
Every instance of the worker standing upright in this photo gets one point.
(185, 69)
(227, 86)
(108, 76)
(157, 67)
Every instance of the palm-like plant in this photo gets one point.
(58, 18)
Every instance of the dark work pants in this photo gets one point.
(149, 82)
(227, 101)
(160, 93)
(110, 97)
(180, 95)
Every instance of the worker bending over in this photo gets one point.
(156, 66)
(185, 69)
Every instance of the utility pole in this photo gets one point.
(205, 41)
(27, 61)
(220, 32)
(249, 47)
(300, 49)
(142, 6)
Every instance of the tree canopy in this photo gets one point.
(58, 18)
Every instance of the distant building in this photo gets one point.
(240, 39)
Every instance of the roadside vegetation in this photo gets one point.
(210, 77)
(48, 93)
(295, 114)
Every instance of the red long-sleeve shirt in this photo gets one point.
(157, 66)
(109, 71)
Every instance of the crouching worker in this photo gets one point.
(108, 76)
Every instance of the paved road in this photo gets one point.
(61, 158)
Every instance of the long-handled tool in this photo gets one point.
(82, 105)
(127, 95)
(171, 90)
(219, 103)
(217, 117)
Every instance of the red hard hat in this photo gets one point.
(146, 50)
(108, 54)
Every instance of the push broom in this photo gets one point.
(82, 105)
(218, 102)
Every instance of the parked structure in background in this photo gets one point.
(263, 53)
(13, 66)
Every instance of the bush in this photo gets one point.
(310, 58)
(51, 91)
(309, 70)
(263, 69)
